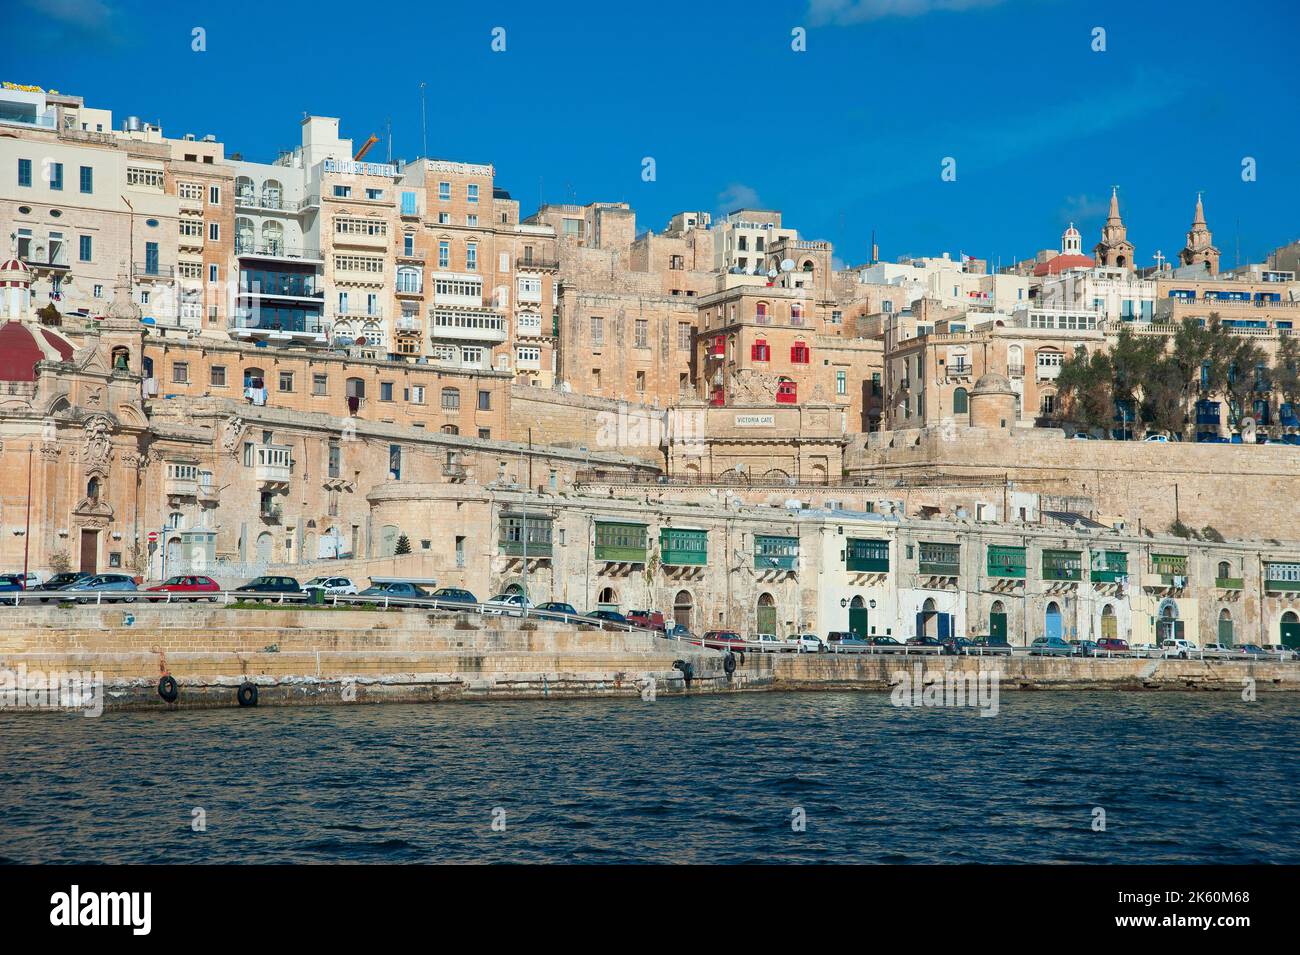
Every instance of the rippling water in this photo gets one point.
(1182, 778)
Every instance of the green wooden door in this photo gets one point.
(858, 620)
(998, 626)
(1291, 634)
(1225, 632)
(767, 619)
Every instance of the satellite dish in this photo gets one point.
(787, 265)
(772, 273)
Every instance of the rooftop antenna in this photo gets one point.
(424, 126)
(389, 122)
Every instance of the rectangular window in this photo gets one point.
(84, 248)
(408, 203)
(841, 382)
(471, 193)
(471, 256)
(335, 463)
(385, 391)
(217, 376)
(408, 244)
(286, 381)
(56, 175)
(485, 433)
(214, 231)
(417, 394)
(597, 330)
(683, 336)
(213, 273)
(342, 192)
(943, 560)
(214, 195)
(320, 384)
(485, 401)
(642, 331)
(24, 172)
(87, 179)
(450, 399)
(181, 372)
(375, 194)
(444, 191)
(444, 254)
(799, 353)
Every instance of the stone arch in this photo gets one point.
(961, 401)
(765, 614)
(1225, 633)
(683, 609)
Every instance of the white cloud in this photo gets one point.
(847, 12)
(738, 196)
(81, 13)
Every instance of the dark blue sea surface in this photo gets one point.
(1182, 777)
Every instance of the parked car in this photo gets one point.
(1084, 648)
(1282, 651)
(454, 595)
(1182, 649)
(11, 583)
(650, 619)
(989, 645)
(679, 631)
(510, 604)
(1144, 649)
(556, 611)
(955, 646)
(396, 590)
(1050, 647)
(1218, 650)
(105, 587)
(883, 641)
(768, 643)
(1252, 650)
(1082, 436)
(1112, 645)
(270, 585)
(60, 581)
(194, 586)
(611, 619)
(722, 640)
(332, 586)
(845, 641)
(1161, 438)
(924, 642)
(807, 643)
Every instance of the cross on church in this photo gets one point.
(1160, 260)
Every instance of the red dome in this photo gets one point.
(1062, 263)
(19, 351)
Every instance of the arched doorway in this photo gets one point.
(1290, 630)
(607, 599)
(998, 621)
(173, 557)
(265, 544)
(1052, 620)
(514, 590)
(858, 616)
(1109, 623)
(927, 621)
(960, 402)
(1225, 627)
(766, 614)
(683, 607)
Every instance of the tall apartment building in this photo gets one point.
(87, 203)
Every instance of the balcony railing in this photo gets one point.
(1230, 583)
(153, 270)
(276, 250)
(959, 371)
(272, 203)
(270, 513)
(536, 263)
(1016, 371)
(536, 549)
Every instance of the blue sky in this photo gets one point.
(844, 137)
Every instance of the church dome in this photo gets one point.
(14, 272)
(23, 345)
(992, 383)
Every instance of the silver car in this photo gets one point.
(103, 587)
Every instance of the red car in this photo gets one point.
(186, 584)
(1112, 645)
(650, 619)
(721, 640)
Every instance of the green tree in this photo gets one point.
(1085, 389)
(403, 545)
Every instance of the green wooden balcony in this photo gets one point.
(1230, 583)
(866, 556)
(1109, 567)
(775, 553)
(620, 543)
(1005, 562)
(684, 548)
(1062, 565)
(537, 549)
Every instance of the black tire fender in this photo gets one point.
(167, 689)
(247, 694)
(729, 663)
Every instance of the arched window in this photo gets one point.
(808, 265)
(960, 405)
(796, 312)
(272, 192)
(787, 392)
(450, 429)
(121, 359)
(92, 490)
(1225, 570)
(607, 599)
(1047, 404)
(1015, 362)
(245, 192)
(273, 237)
(244, 235)
(760, 311)
(409, 279)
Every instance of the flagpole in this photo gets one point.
(27, 532)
